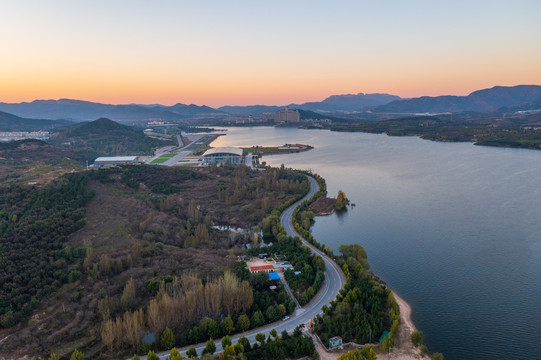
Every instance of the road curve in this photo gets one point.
(334, 281)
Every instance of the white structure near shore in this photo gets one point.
(223, 155)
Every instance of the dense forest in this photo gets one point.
(34, 226)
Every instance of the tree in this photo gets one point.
(282, 308)
(270, 313)
(226, 341)
(77, 355)
(167, 340)
(135, 357)
(341, 201)
(437, 356)
(417, 338)
(133, 327)
(191, 353)
(245, 343)
(229, 325)
(273, 333)
(54, 357)
(260, 338)
(152, 355)
(195, 334)
(128, 295)
(258, 319)
(209, 327)
(210, 348)
(243, 322)
(175, 355)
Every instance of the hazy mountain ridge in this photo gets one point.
(10, 122)
(79, 110)
(107, 137)
(485, 100)
(334, 103)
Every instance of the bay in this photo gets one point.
(453, 228)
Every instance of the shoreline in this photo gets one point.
(405, 312)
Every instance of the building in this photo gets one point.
(335, 343)
(264, 268)
(287, 116)
(227, 155)
(115, 160)
(274, 276)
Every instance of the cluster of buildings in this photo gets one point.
(264, 263)
(22, 135)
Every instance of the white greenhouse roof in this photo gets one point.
(116, 158)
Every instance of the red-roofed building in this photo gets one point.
(265, 268)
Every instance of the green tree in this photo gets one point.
(167, 340)
(437, 356)
(152, 355)
(196, 334)
(226, 340)
(210, 348)
(258, 319)
(270, 313)
(417, 338)
(273, 333)
(243, 322)
(54, 357)
(135, 357)
(77, 355)
(175, 355)
(260, 338)
(229, 325)
(191, 353)
(209, 327)
(283, 310)
(245, 343)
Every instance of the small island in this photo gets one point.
(273, 150)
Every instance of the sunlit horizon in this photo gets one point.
(250, 53)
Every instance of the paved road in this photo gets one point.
(186, 151)
(334, 281)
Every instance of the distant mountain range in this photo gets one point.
(498, 98)
(334, 103)
(78, 110)
(487, 100)
(10, 122)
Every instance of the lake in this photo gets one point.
(453, 228)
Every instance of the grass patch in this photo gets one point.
(162, 158)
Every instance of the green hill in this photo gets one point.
(107, 137)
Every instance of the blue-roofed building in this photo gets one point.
(274, 276)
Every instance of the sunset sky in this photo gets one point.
(263, 52)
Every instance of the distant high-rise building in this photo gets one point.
(287, 115)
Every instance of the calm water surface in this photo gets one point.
(453, 228)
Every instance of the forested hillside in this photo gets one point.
(95, 252)
(107, 137)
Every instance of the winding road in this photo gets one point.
(334, 281)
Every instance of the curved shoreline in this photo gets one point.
(405, 312)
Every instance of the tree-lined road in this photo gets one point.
(334, 281)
